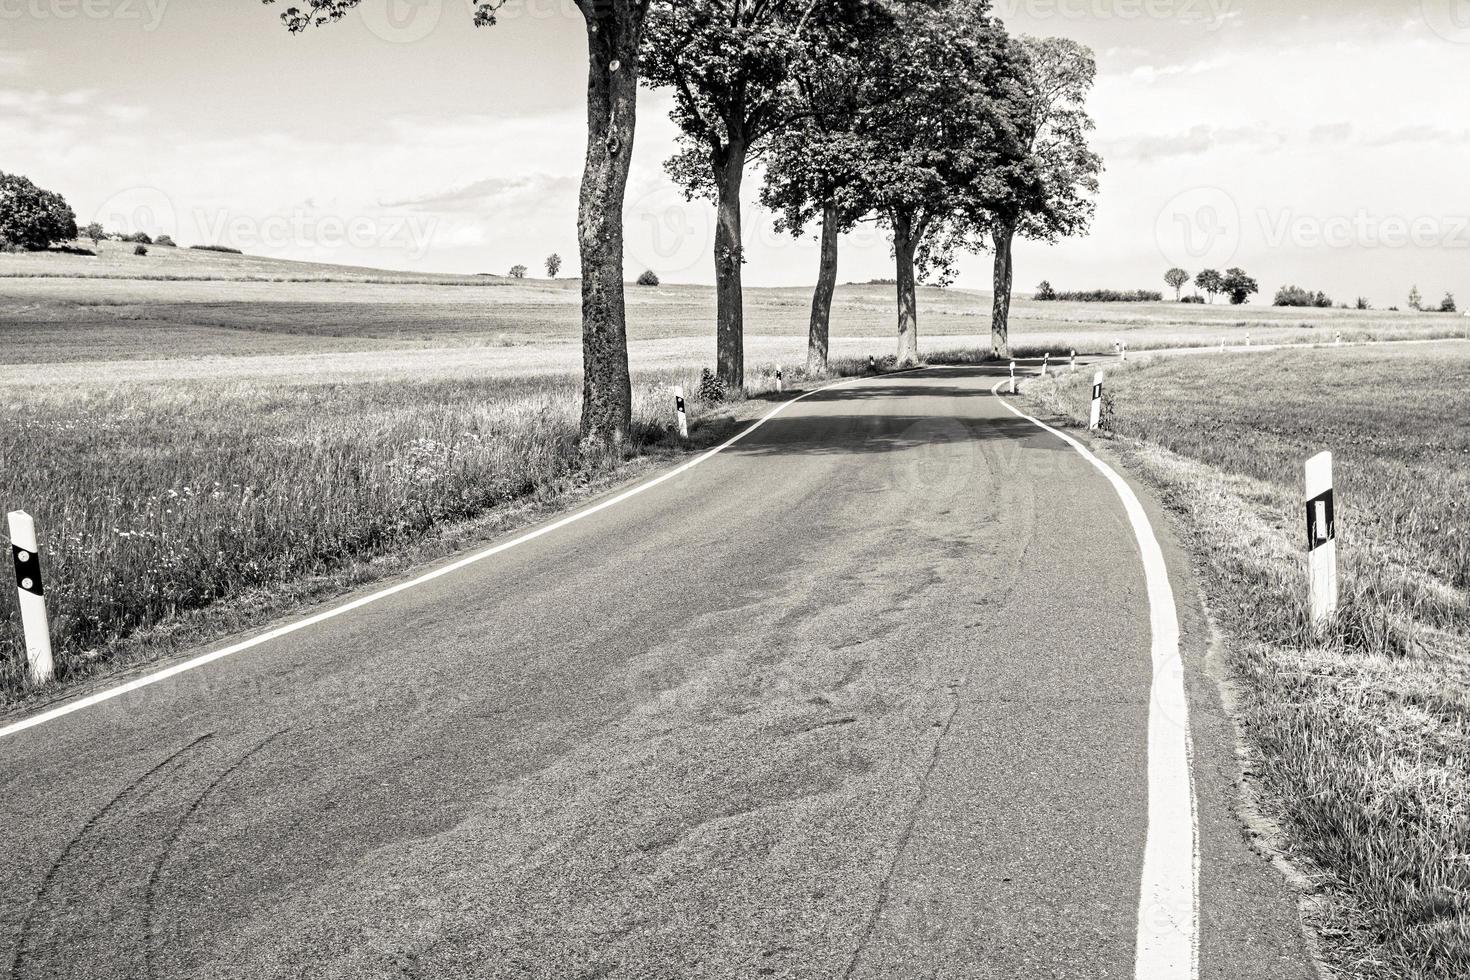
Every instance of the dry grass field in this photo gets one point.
(1361, 738)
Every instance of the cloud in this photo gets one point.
(1330, 133)
(1197, 141)
(493, 194)
(1422, 133)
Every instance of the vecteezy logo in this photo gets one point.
(403, 21)
(139, 209)
(1199, 228)
(1450, 19)
(666, 232)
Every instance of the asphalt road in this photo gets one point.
(865, 695)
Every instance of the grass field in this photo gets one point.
(1361, 738)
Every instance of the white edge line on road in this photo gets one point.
(1168, 902)
(91, 700)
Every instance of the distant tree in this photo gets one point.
(648, 278)
(1239, 286)
(32, 218)
(1416, 301)
(936, 147)
(1045, 292)
(1447, 305)
(165, 241)
(1211, 282)
(139, 237)
(518, 272)
(1048, 192)
(808, 173)
(553, 265)
(1363, 304)
(95, 232)
(1296, 296)
(1177, 278)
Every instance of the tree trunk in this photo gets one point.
(820, 331)
(729, 258)
(908, 301)
(613, 33)
(1000, 315)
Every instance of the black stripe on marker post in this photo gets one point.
(27, 571)
(679, 402)
(1096, 391)
(1321, 522)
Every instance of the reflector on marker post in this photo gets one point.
(1321, 540)
(24, 550)
(1095, 419)
(682, 414)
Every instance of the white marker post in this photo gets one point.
(1013, 377)
(1337, 340)
(1247, 340)
(1045, 363)
(33, 616)
(1074, 360)
(1097, 386)
(779, 387)
(1321, 540)
(1222, 345)
(679, 411)
(1125, 350)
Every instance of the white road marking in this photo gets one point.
(195, 663)
(1167, 946)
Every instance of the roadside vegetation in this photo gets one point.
(1360, 738)
(172, 514)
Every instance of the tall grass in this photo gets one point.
(1361, 735)
(155, 501)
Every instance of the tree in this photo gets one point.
(1447, 305)
(1416, 302)
(1176, 278)
(808, 169)
(1239, 286)
(614, 34)
(32, 218)
(165, 241)
(518, 272)
(1050, 194)
(648, 278)
(1044, 292)
(728, 63)
(553, 265)
(1211, 282)
(933, 146)
(95, 232)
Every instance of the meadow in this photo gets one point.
(1361, 736)
(208, 440)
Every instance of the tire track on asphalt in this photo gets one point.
(150, 901)
(53, 873)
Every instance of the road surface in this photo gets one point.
(864, 695)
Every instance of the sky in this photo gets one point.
(1311, 142)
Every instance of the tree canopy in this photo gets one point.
(33, 218)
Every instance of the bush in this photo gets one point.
(711, 388)
(1193, 299)
(1363, 304)
(1296, 296)
(650, 278)
(141, 237)
(216, 248)
(165, 242)
(1103, 296)
(1447, 305)
(140, 249)
(1045, 293)
(32, 218)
